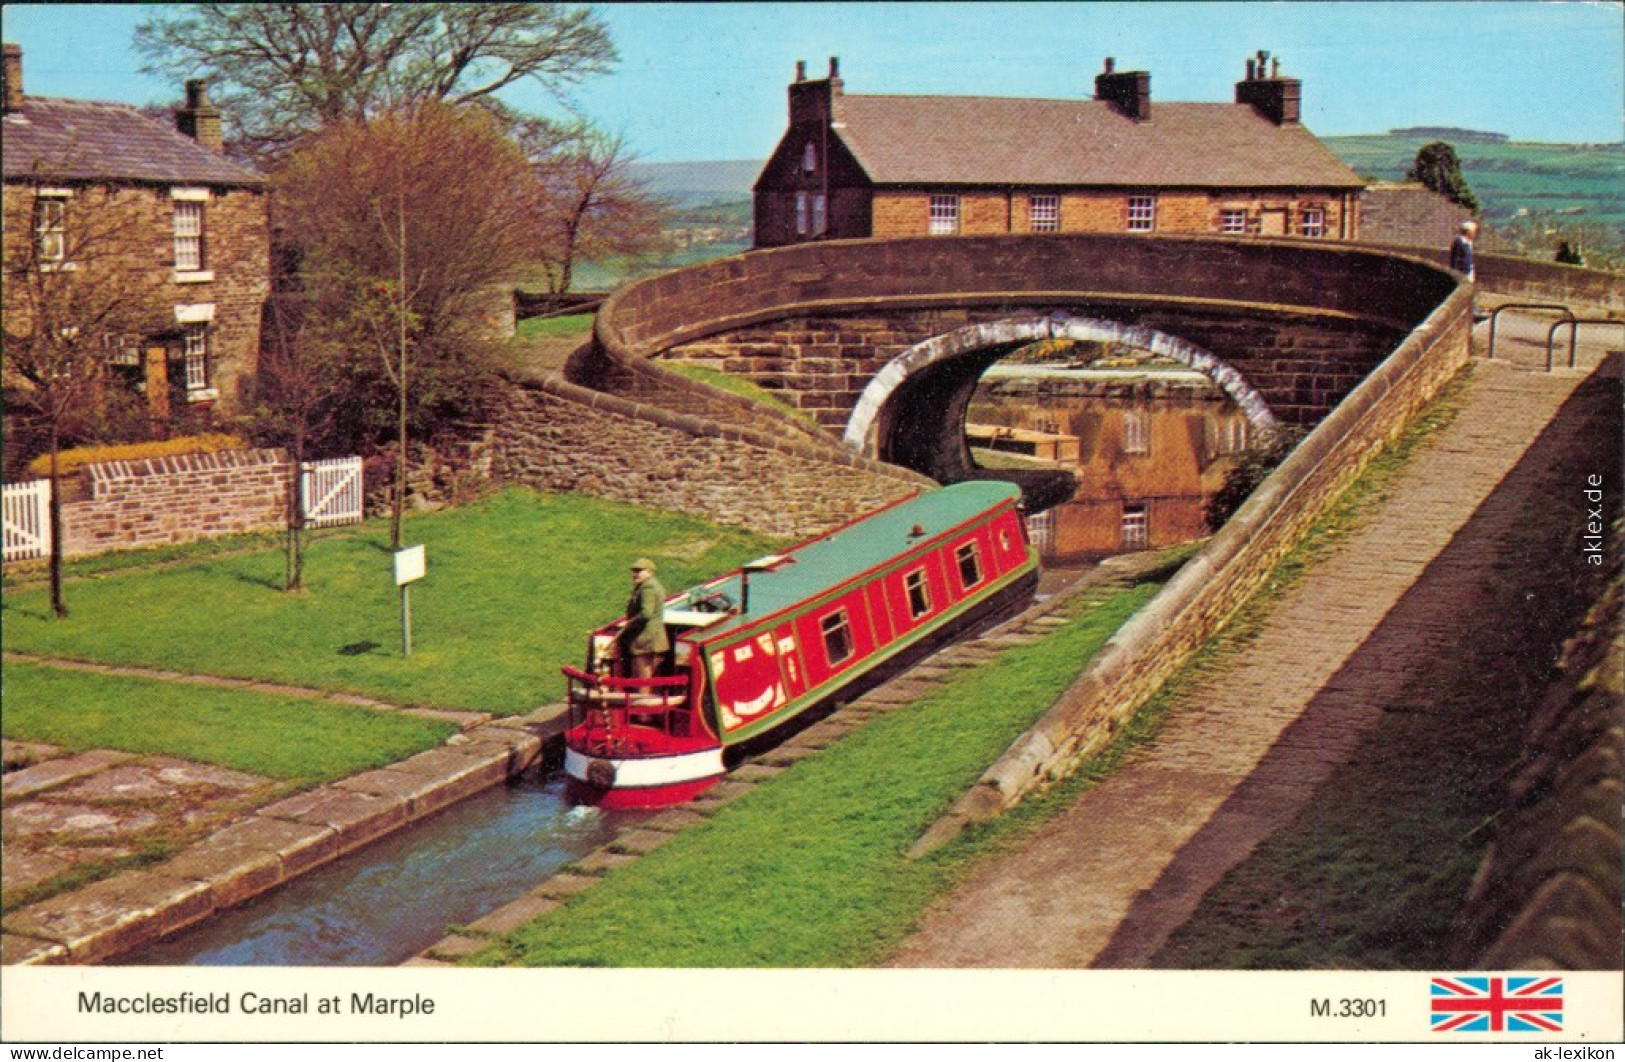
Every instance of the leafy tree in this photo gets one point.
(405, 230)
(594, 208)
(1438, 168)
(282, 69)
(71, 301)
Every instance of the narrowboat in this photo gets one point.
(788, 634)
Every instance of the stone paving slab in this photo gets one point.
(510, 917)
(18, 755)
(56, 772)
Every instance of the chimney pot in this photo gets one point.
(1111, 64)
(801, 69)
(12, 89)
(834, 66)
(1252, 70)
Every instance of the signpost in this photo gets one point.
(410, 566)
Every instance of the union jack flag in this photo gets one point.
(1497, 1004)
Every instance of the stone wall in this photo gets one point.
(1301, 364)
(1548, 894)
(162, 500)
(1213, 584)
(554, 436)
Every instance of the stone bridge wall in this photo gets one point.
(1303, 366)
(554, 436)
(1213, 584)
(1307, 318)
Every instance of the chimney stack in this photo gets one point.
(1277, 98)
(1128, 92)
(200, 118)
(12, 87)
(816, 101)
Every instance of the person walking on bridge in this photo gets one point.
(1461, 252)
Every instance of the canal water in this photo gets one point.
(388, 901)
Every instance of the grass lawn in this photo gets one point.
(810, 870)
(514, 584)
(285, 738)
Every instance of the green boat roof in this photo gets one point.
(814, 567)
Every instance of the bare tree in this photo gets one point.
(79, 292)
(283, 69)
(406, 228)
(595, 208)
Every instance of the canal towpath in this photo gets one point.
(1462, 558)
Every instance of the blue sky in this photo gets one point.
(707, 81)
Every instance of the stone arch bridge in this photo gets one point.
(883, 341)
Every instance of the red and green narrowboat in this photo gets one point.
(789, 634)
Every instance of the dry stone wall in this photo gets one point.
(163, 500)
(555, 437)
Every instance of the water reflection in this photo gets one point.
(392, 899)
(1149, 441)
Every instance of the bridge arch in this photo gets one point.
(866, 427)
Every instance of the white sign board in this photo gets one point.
(410, 565)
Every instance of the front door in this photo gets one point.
(1272, 223)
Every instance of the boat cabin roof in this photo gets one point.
(807, 571)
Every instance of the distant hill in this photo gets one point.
(1450, 132)
(689, 184)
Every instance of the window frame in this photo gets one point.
(1044, 213)
(970, 554)
(917, 591)
(835, 630)
(1142, 213)
(809, 158)
(820, 214)
(197, 357)
(943, 215)
(1134, 526)
(1136, 431)
(1233, 221)
(47, 204)
(190, 247)
(1312, 223)
(802, 214)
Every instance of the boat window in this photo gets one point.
(837, 636)
(970, 565)
(919, 595)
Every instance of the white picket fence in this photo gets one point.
(330, 492)
(27, 519)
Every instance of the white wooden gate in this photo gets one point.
(330, 492)
(27, 519)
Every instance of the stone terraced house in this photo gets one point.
(877, 166)
(200, 219)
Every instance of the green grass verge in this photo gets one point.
(738, 385)
(810, 871)
(514, 584)
(575, 325)
(286, 738)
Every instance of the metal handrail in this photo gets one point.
(1574, 324)
(1496, 316)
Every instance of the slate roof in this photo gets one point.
(942, 140)
(57, 139)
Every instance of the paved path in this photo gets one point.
(1107, 882)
